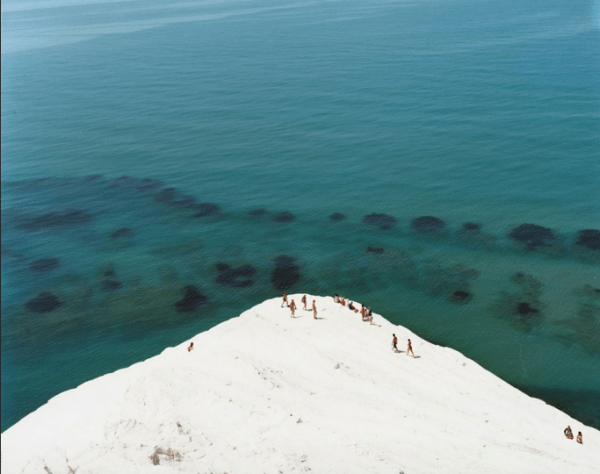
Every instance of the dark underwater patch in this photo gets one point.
(45, 302)
(206, 209)
(383, 221)
(122, 232)
(532, 236)
(191, 301)
(337, 217)
(67, 217)
(111, 285)
(285, 274)
(428, 225)
(42, 265)
(284, 217)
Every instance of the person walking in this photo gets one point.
(314, 305)
(304, 302)
(292, 307)
(285, 301)
(409, 349)
(395, 343)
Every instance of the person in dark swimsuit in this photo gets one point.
(285, 301)
(395, 343)
(568, 432)
(580, 438)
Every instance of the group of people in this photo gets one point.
(569, 434)
(366, 313)
(292, 305)
(409, 349)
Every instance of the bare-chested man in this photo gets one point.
(395, 343)
(285, 301)
(292, 307)
(304, 302)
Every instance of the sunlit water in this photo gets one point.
(480, 113)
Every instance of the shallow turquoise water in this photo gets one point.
(469, 112)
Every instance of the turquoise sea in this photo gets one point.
(165, 166)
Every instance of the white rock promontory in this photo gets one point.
(265, 393)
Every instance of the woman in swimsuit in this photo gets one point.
(568, 432)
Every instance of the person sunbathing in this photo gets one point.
(568, 432)
(351, 306)
(580, 438)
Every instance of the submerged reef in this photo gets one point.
(450, 281)
(206, 209)
(428, 225)
(122, 232)
(284, 217)
(587, 246)
(43, 303)
(110, 285)
(533, 237)
(43, 265)
(585, 326)
(191, 301)
(285, 274)
(589, 238)
(67, 217)
(383, 221)
(522, 309)
(337, 217)
(460, 297)
(471, 235)
(378, 250)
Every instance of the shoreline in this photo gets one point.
(264, 381)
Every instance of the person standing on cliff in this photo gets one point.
(395, 343)
(285, 301)
(304, 302)
(292, 307)
(314, 305)
(409, 349)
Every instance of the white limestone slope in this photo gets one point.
(265, 393)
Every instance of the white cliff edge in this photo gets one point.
(267, 393)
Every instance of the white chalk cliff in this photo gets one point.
(265, 393)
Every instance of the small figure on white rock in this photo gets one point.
(409, 349)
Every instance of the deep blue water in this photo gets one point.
(483, 112)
